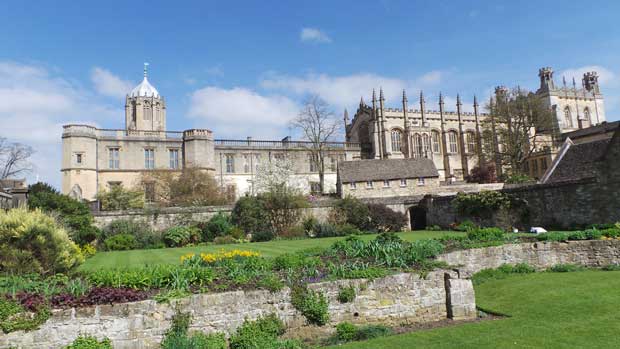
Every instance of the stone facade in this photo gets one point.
(390, 188)
(393, 300)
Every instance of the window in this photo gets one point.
(427, 144)
(256, 161)
(368, 184)
(586, 114)
(352, 185)
(420, 181)
(471, 142)
(535, 167)
(315, 187)
(386, 184)
(148, 111)
(568, 119)
(403, 182)
(149, 159)
(78, 158)
(418, 147)
(543, 164)
(436, 147)
(230, 163)
(452, 141)
(174, 158)
(231, 192)
(313, 163)
(246, 163)
(279, 157)
(113, 157)
(396, 140)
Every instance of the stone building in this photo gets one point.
(94, 159)
(451, 138)
(13, 192)
(385, 178)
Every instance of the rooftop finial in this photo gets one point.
(381, 98)
(374, 95)
(564, 81)
(145, 68)
(440, 98)
(404, 95)
(458, 99)
(475, 100)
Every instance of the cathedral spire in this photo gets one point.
(362, 101)
(381, 97)
(422, 108)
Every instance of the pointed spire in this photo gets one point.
(421, 96)
(404, 96)
(346, 115)
(361, 100)
(574, 85)
(374, 95)
(145, 69)
(564, 81)
(458, 100)
(475, 101)
(440, 98)
(381, 98)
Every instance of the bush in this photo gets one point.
(353, 212)
(565, 268)
(90, 342)
(249, 214)
(324, 230)
(433, 228)
(518, 178)
(311, 304)
(346, 332)
(308, 224)
(224, 240)
(348, 229)
(73, 214)
(261, 236)
(145, 236)
(120, 242)
(384, 219)
(32, 241)
(485, 234)
(119, 198)
(485, 203)
(553, 236)
(218, 225)
(421, 250)
(502, 272)
(466, 225)
(181, 236)
(482, 174)
(261, 333)
(88, 250)
(346, 294)
(15, 316)
(177, 337)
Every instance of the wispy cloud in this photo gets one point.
(314, 35)
(108, 84)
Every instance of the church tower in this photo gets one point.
(145, 108)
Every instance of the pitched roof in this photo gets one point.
(372, 170)
(580, 161)
(603, 127)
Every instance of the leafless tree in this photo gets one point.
(318, 126)
(14, 159)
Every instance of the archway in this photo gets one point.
(417, 214)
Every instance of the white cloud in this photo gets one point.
(35, 105)
(314, 35)
(342, 91)
(241, 112)
(109, 84)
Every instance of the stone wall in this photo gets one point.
(541, 255)
(393, 300)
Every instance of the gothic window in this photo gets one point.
(471, 142)
(230, 163)
(418, 147)
(313, 163)
(586, 114)
(452, 141)
(396, 140)
(246, 163)
(436, 145)
(279, 157)
(256, 161)
(79, 157)
(174, 158)
(315, 187)
(427, 144)
(113, 158)
(148, 112)
(568, 119)
(487, 138)
(149, 158)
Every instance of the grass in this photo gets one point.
(136, 258)
(547, 310)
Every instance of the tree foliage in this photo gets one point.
(192, 187)
(119, 198)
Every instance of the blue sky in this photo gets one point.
(242, 68)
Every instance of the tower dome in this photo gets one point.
(144, 89)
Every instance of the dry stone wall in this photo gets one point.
(393, 300)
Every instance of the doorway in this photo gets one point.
(417, 214)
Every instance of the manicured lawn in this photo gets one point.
(547, 310)
(268, 249)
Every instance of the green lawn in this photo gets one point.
(547, 310)
(268, 249)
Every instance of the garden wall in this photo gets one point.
(555, 206)
(393, 300)
(541, 255)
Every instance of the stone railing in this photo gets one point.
(284, 144)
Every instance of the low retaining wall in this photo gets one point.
(393, 300)
(541, 255)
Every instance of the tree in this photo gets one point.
(119, 198)
(192, 187)
(14, 159)
(275, 175)
(318, 126)
(518, 125)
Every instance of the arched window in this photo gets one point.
(436, 144)
(417, 145)
(568, 119)
(427, 144)
(471, 142)
(148, 112)
(396, 140)
(487, 138)
(452, 141)
(586, 114)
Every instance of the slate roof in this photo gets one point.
(374, 170)
(579, 162)
(603, 127)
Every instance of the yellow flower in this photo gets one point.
(214, 257)
(187, 256)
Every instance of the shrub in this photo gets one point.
(353, 212)
(565, 268)
(311, 304)
(218, 225)
(553, 236)
(224, 240)
(346, 331)
(466, 225)
(261, 333)
(119, 198)
(308, 224)
(433, 228)
(177, 336)
(502, 272)
(348, 229)
(15, 317)
(260, 236)
(384, 219)
(145, 236)
(73, 214)
(324, 230)
(250, 215)
(90, 342)
(181, 236)
(485, 234)
(421, 250)
(346, 294)
(518, 178)
(482, 174)
(33, 241)
(120, 242)
(88, 250)
(485, 203)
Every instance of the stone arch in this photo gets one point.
(76, 192)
